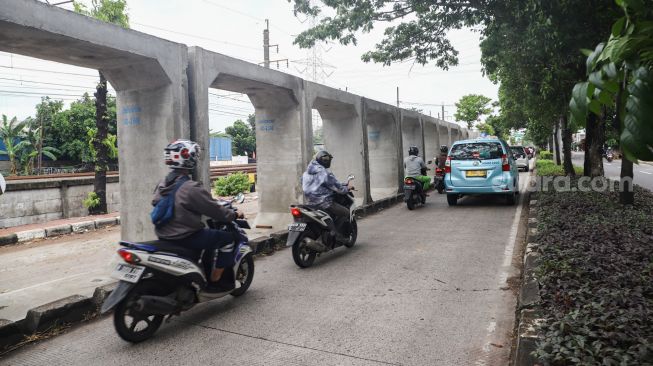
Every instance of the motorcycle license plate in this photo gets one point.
(127, 272)
(409, 187)
(297, 226)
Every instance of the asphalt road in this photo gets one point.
(642, 172)
(422, 287)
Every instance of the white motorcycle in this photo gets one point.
(159, 279)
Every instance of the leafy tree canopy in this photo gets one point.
(243, 136)
(471, 107)
(109, 11)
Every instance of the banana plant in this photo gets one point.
(620, 74)
(27, 150)
(10, 133)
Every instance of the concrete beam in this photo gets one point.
(148, 73)
(431, 142)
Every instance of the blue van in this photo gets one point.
(481, 166)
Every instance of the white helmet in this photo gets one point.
(182, 154)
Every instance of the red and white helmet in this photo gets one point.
(182, 154)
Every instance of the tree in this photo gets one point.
(243, 136)
(45, 114)
(10, 133)
(471, 107)
(110, 11)
(620, 77)
(31, 147)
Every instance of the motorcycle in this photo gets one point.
(313, 231)
(414, 191)
(609, 156)
(438, 180)
(159, 279)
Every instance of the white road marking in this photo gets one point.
(505, 268)
(45, 283)
(641, 171)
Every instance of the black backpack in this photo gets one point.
(164, 210)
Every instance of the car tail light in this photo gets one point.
(408, 181)
(128, 256)
(295, 212)
(505, 165)
(447, 165)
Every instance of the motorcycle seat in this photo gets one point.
(165, 246)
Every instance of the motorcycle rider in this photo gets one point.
(320, 187)
(191, 201)
(442, 159)
(415, 168)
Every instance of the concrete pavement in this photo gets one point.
(422, 287)
(643, 172)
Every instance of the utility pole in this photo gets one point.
(443, 112)
(266, 45)
(397, 97)
(266, 48)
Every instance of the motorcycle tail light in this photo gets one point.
(128, 256)
(408, 181)
(295, 212)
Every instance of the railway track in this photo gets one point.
(216, 171)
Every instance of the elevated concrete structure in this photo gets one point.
(431, 142)
(148, 73)
(162, 94)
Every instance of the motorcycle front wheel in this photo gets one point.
(353, 234)
(132, 325)
(301, 254)
(244, 275)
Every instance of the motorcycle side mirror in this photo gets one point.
(350, 177)
(429, 162)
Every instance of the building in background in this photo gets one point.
(220, 149)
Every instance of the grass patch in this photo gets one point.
(596, 278)
(547, 167)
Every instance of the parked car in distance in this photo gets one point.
(521, 157)
(481, 166)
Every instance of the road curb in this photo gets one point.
(8, 239)
(58, 230)
(76, 308)
(528, 300)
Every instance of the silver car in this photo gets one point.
(521, 157)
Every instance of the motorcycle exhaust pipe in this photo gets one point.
(156, 305)
(315, 245)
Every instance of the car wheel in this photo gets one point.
(510, 199)
(452, 199)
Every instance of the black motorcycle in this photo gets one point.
(414, 191)
(313, 231)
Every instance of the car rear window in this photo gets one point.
(476, 150)
(517, 150)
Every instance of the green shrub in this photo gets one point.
(92, 200)
(231, 185)
(545, 154)
(548, 167)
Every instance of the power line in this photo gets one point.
(197, 36)
(49, 71)
(46, 83)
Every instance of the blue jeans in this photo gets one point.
(210, 239)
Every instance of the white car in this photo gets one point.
(521, 157)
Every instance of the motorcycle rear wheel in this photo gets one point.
(244, 275)
(130, 330)
(303, 256)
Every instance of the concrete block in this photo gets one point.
(104, 222)
(279, 237)
(531, 248)
(67, 310)
(84, 226)
(532, 222)
(102, 292)
(11, 333)
(117, 220)
(30, 235)
(532, 212)
(58, 230)
(527, 338)
(263, 244)
(8, 239)
(533, 203)
(532, 234)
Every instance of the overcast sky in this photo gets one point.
(235, 28)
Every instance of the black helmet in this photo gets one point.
(413, 150)
(323, 158)
(444, 149)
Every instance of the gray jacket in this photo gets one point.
(413, 166)
(191, 202)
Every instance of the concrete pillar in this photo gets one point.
(383, 149)
(342, 129)
(411, 133)
(431, 142)
(148, 74)
(283, 129)
(449, 135)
